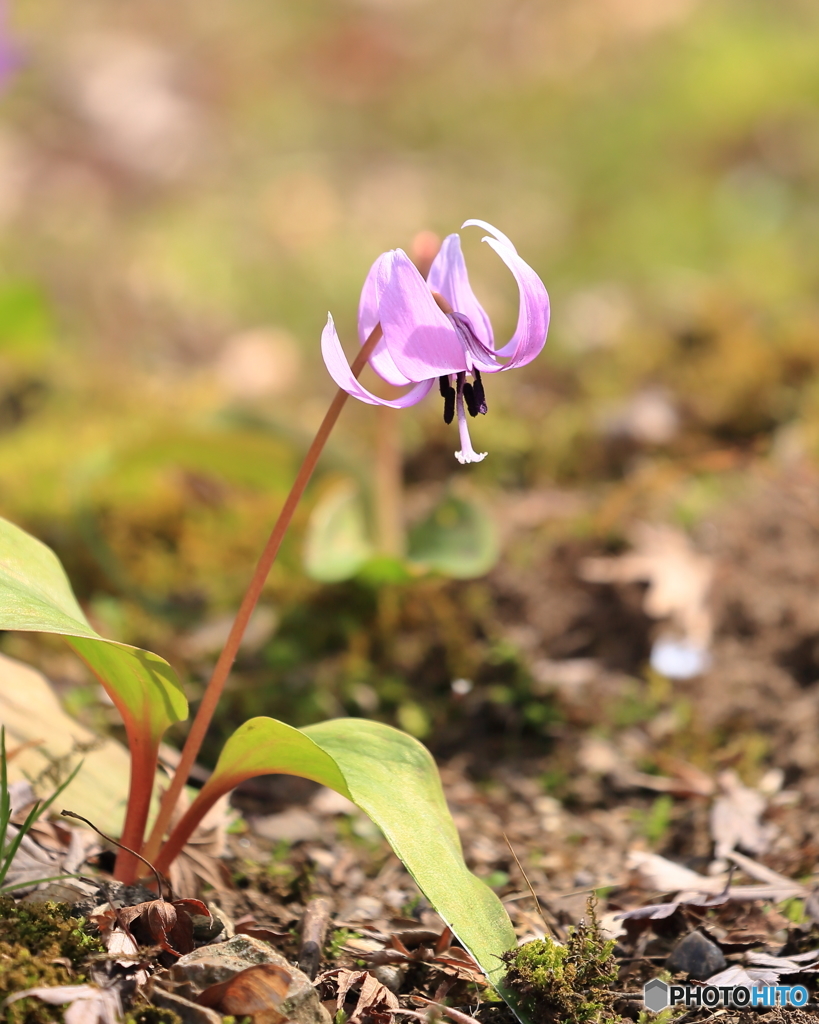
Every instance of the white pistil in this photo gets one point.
(467, 452)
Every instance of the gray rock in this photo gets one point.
(696, 956)
(189, 1012)
(196, 971)
(71, 891)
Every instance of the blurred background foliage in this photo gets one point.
(187, 188)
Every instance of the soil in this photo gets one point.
(629, 762)
(618, 764)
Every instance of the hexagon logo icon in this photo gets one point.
(655, 995)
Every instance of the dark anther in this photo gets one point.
(448, 393)
(480, 397)
(470, 400)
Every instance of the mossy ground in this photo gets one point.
(568, 983)
(37, 945)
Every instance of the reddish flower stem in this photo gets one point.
(223, 666)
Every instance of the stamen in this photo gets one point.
(467, 452)
(442, 304)
(448, 393)
(480, 396)
(469, 399)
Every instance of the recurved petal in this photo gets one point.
(448, 276)
(533, 318)
(368, 316)
(501, 237)
(339, 369)
(420, 337)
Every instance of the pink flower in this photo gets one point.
(437, 330)
(9, 57)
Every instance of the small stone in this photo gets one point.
(71, 892)
(391, 976)
(696, 956)
(209, 965)
(206, 929)
(189, 1013)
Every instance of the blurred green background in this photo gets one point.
(187, 188)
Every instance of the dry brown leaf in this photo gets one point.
(653, 872)
(374, 999)
(679, 579)
(258, 992)
(451, 960)
(763, 969)
(247, 925)
(167, 923)
(447, 1011)
(735, 818)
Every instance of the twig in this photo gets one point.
(449, 1011)
(313, 933)
(526, 880)
(159, 878)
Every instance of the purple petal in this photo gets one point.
(533, 319)
(368, 303)
(420, 337)
(9, 57)
(448, 276)
(340, 371)
(368, 316)
(501, 237)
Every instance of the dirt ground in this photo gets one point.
(574, 768)
(634, 771)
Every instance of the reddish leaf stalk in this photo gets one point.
(144, 758)
(144, 751)
(223, 666)
(185, 827)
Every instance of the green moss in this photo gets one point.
(35, 942)
(339, 938)
(568, 983)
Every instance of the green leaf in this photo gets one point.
(337, 544)
(35, 596)
(458, 539)
(391, 777)
(265, 746)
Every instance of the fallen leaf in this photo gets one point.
(30, 711)
(735, 818)
(450, 960)
(86, 1003)
(448, 1011)
(764, 969)
(375, 1001)
(247, 925)
(651, 871)
(678, 577)
(167, 923)
(258, 992)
